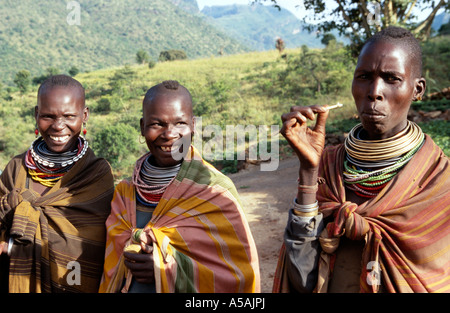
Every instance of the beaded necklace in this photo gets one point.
(47, 167)
(371, 164)
(151, 181)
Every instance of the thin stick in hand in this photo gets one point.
(338, 105)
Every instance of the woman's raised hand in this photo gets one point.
(307, 143)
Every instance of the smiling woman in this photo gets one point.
(178, 225)
(60, 115)
(167, 120)
(50, 214)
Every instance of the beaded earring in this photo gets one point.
(36, 131)
(84, 130)
(140, 141)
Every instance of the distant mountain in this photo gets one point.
(35, 35)
(258, 26)
(190, 6)
(439, 20)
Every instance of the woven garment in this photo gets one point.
(66, 224)
(406, 226)
(201, 239)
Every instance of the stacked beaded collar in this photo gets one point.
(151, 181)
(47, 167)
(371, 164)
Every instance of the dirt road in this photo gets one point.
(266, 198)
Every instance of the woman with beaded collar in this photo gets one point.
(51, 215)
(370, 215)
(177, 225)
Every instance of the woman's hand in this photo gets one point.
(141, 266)
(307, 143)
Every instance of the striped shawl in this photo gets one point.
(66, 224)
(406, 227)
(201, 239)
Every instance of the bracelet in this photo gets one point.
(308, 189)
(136, 234)
(306, 208)
(10, 244)
(304, 214)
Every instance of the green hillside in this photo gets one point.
(35, 35)
(258, 26)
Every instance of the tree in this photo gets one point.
(142, 56)
(445, 29)
(151, 64)
(50, 71)
(360, 19)
(279, 44)
(121, 77)
(171, 55)
(22, 80)
(115, 142)
(73, 71)
(308, 74)
(326, 38)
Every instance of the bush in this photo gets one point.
(73, 71)
(308, 73)
(439, 131)
(115, 143)
(22, 80)
(142, 57)
(50, 71)
(436, 56)
(122, 77)
(431, 105)
(103, 105)
(171, 55)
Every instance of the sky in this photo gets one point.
(284, 4)
(295, 6)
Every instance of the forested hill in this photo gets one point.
(259, 26)
(35, 35)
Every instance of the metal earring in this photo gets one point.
(140, 136)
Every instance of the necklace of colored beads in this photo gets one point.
(47, 167)
(371, 164)
(151, 181)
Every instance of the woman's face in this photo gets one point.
(383, 88)
(167, 125)
(60, 114)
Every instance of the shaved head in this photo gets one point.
(167, 88)
(404, 38)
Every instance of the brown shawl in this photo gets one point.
(51, 231)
